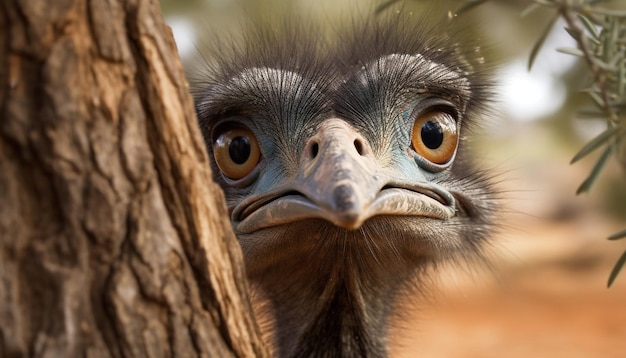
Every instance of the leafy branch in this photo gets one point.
(600, 35)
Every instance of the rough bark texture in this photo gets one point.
(114, 240)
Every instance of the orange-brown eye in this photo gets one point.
(435, 136)
(236, 152)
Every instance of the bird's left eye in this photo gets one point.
(236, 152)
(434, 136)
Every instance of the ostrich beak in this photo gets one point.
(339, 174)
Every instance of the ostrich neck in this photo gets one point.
(332, 291)
(335, 306)
(341, 321)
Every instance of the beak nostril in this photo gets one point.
(314, 150)
(358, 145)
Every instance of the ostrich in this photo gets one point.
(346, 171)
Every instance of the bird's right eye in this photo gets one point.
(236, 152)
(435, 136)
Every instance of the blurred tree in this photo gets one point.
(114, 241)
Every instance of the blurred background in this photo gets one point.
(545, 294)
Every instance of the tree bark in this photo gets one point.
(114, 240)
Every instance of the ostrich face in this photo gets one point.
(346, 172)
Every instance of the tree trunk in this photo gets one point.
(114, 240)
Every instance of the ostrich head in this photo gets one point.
(345, 166)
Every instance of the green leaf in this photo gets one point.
(595, 143)
(545, 2)
(593, 2)
(621, 82)
(539, 44)
(609, 40)
(384, 6)
(608, 12)
(593, 93)
(530, 9)
(616, 269)
(571, 51)
(590, 113)
(571, 33)
(470, 4)
(575, 35)
(603, 65)
(590, 26)
(618, 236)
(595, 171)
(617, 58)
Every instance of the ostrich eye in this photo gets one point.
(236, 152)
(435, 136)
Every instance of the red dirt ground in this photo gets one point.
(549, 299)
